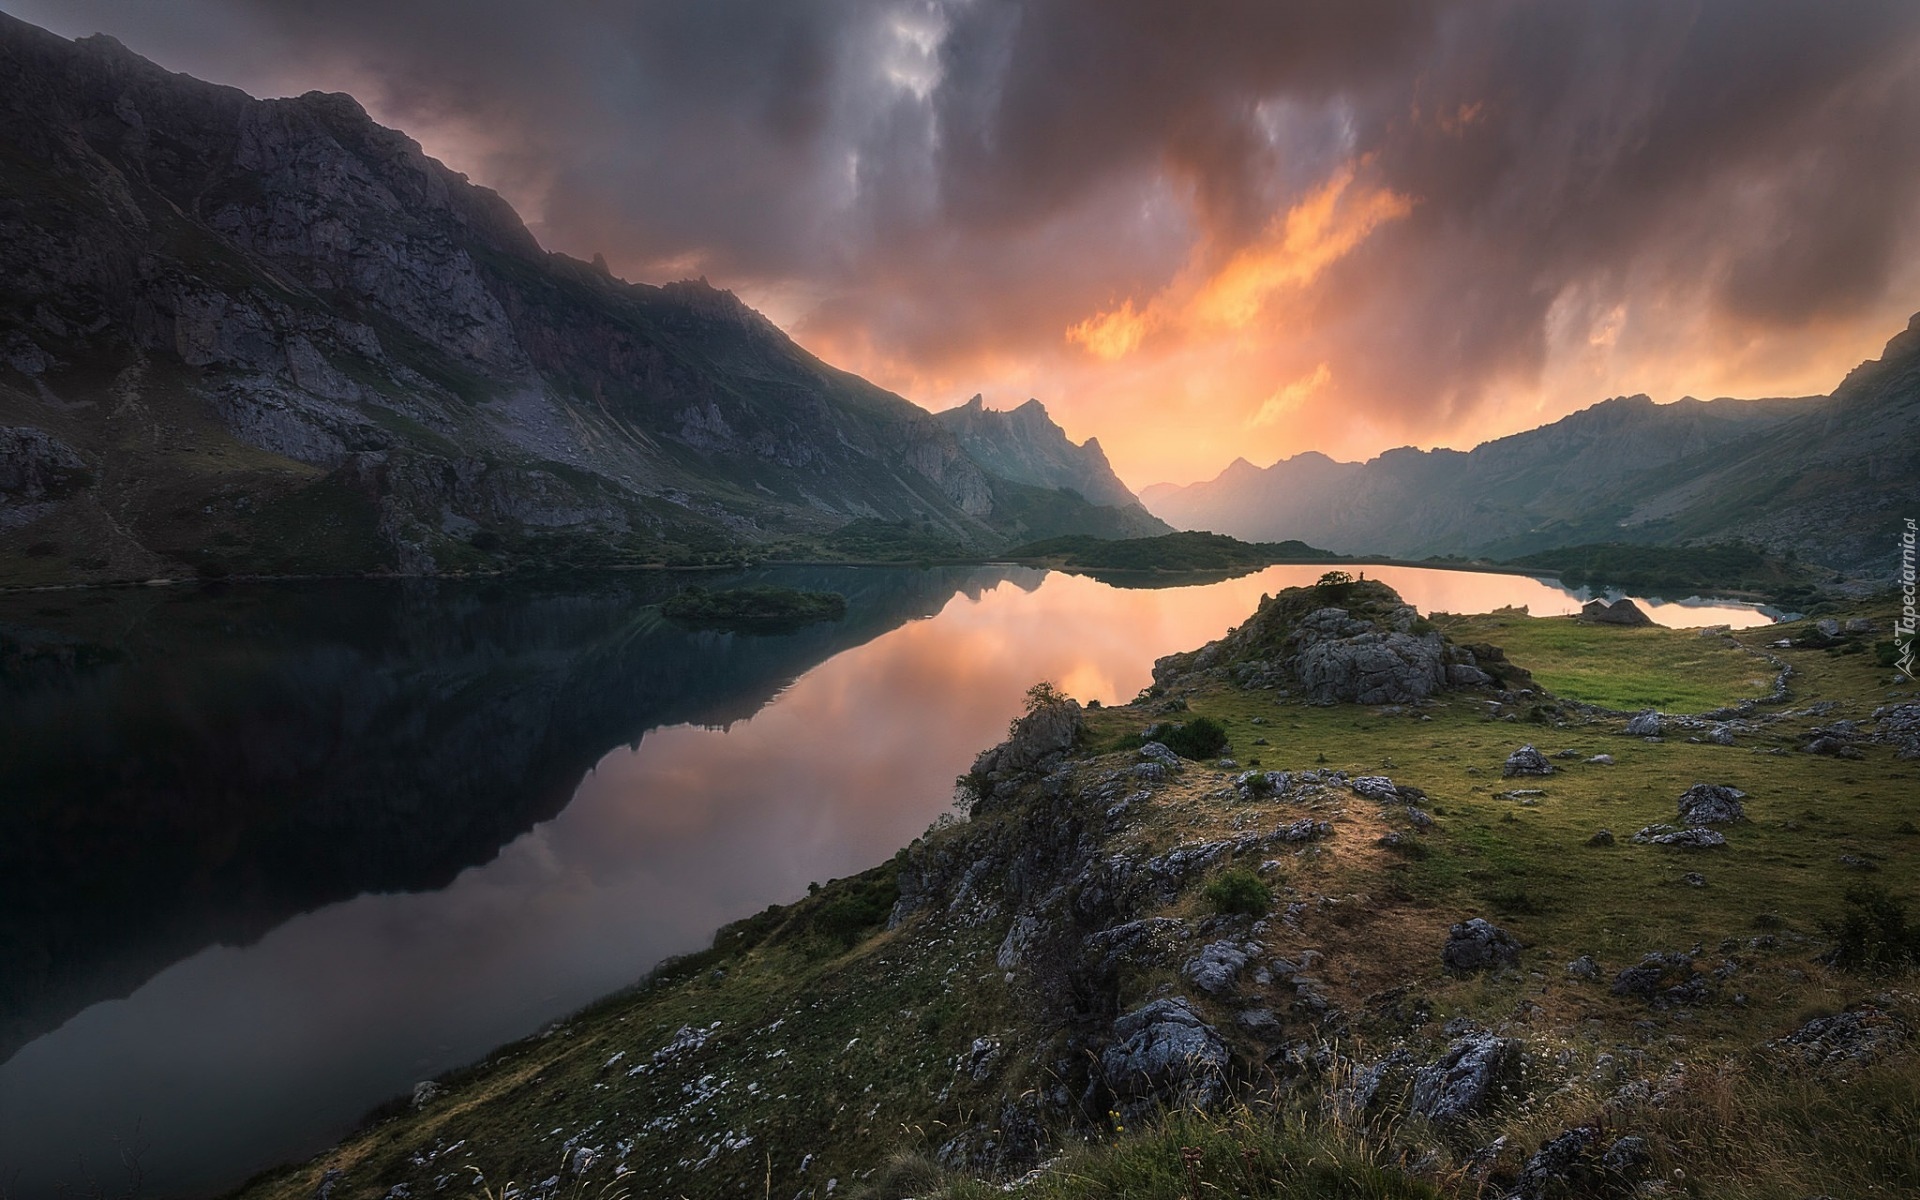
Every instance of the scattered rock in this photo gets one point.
(1663, 979)
(1685, 839)
(1854, 862)
(1526, 761)
(1712, 804)
(1565, 1164)
(1898, 726)
(1478, 945)
(981, 1057)
(1848, 1039)
(1216, 969)
(1601, 837)
(1157, 752)
(1466, 1082)
(1694, 879)
(1646, 724)
(1583, 968)
(1720, 735)
(1375, 787)
(1628, 1158)
(1306, 829)
(1259, 1021)
(424, 1093)
(1601, 760)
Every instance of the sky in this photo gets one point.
(1199, 231)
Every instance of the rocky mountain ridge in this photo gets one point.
(1816, 476)
(272, 336)
(1024, 445)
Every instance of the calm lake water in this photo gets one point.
(271, 854)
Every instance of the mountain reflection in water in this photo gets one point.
(326, 840)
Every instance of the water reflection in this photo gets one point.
(285, 790)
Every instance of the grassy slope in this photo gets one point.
(1621, 667)
(870, 1109)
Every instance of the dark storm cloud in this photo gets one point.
(945, 182)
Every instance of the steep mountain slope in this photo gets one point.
(1025, 448)
(271, 335)
(1024, 445)
(1573, 480)
(1832, 485)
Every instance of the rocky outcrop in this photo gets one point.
(1351, 642)
(1898, 725)
(1035, 740)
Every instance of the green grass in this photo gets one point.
(1673, 670)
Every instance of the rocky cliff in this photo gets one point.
(1024, 445)
(246, 335)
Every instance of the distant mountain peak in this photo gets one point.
(1024, 445)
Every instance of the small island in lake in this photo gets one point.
(1176, 557)
(753, 609)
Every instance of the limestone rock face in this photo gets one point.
(1165, 1049)
(1041, 735)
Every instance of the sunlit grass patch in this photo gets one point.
(1673, 670)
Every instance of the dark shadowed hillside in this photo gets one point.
(246, 335)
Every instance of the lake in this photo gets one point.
(270, 854)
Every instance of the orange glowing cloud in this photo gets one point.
(1299, 244)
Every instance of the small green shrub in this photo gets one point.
(1202, 737)
(1873, 937)
(1239, 891)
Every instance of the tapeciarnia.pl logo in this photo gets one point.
(1903, 628)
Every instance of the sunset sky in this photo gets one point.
(1196, 230)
